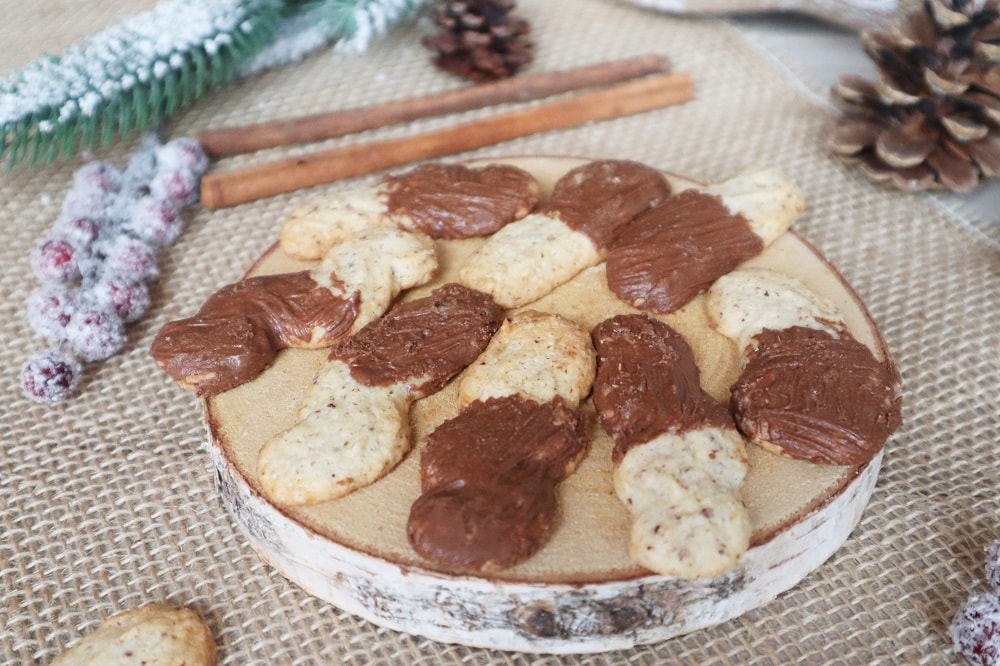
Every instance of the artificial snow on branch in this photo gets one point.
(360, 22)
(132, 75)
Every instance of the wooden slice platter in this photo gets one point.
(581, 593)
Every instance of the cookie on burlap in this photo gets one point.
(148, 635)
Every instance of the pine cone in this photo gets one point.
(933, 118)
(480, 39)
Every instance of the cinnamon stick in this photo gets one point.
(523, 88)
(223, 189)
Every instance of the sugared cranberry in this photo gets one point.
(182, 153)
(141, 167)
(79, 231)
(129, 299)
(49, 310)
(118, 211)
(55, 260)
(130, 259)
(156, 222)
(975, 630)
(95, 333)
(993, 565)
(50, 376)
(177, 186)
(102, 176)
(87, 202)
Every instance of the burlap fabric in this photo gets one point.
(108, 501)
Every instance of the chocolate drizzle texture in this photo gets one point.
(423, 342)
(648, 383)
(817, 396)
(239, 330)
(455, 201)
(488, 481)
(676, 250)
(599, 198)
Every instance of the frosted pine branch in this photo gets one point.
(134, 74)
(129, 75)
(298, 35)
(363, 20)
(350, 24)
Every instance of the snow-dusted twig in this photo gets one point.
(134, 74)
(129, 76)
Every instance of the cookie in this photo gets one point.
(744, 303)
(240, 329)
(353, 426)
(440, 200)
(378, 265)
(572, 231)
(489, 475)
(807, 388)
(679, 460)
(683, 493)
(674, 251)
(149, 635)
(535, 355)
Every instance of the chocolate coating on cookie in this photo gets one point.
(239, 330)
(423, 343)
(212, 355)
(816, 396)
(648, 383)
(599, 198)
(488, 478)
(455, 201)
(293, 307)
(674, 251)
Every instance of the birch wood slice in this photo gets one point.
(580, 593)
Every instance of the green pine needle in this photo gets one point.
(351, 25)
(130, 76)
(356, 22)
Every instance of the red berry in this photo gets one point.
(79, 231)
(129, 259)
(154, 221)
(128, 299)
(177, 186)
(101, 176)
(993, 565)
(49, 310)
(182, 153)
(95, 333)
(141, 167)
(87, 202)
(50, 376)
(975, 630)
(55, 260)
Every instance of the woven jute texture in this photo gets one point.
(108, 501)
